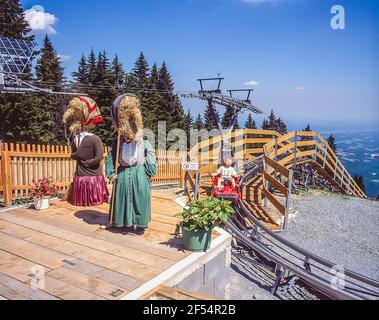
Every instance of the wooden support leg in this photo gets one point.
(6, 179)
(306, 264)
(112, 209)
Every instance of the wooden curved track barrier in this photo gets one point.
(280, 155)
(305, 146)
(20, 164)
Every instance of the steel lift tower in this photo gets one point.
(215, 97)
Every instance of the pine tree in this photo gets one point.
(280, 126)
(15, 109)
(170, 103)
(332, 143)
(103, 73)
(250, 123)
(188, 121)
(47, 121)
(187, 126)
(210, 117)
(199, 123)
(228, 117)
(82, 75)
(304, 138)
(92, 65)
(13, 23)
(103, 94)
(271, 121)
(265, 125)
(117, 74)
(48, 68)
(138, 83)
(307, 128)
(139, 76)
(154, 101)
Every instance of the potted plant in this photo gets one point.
(199, 219)
(42, 191)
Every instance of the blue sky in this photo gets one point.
(305, 70)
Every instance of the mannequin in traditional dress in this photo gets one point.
(89, 187)
(136, 166)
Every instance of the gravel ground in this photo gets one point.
(253, 278)
(342, 229)
(249, 281)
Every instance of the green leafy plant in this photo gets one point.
(205, 214)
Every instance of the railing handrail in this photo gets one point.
(330, 157)
(213, 140)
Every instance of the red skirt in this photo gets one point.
(89, 191)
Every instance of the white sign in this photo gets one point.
(182, 201)
(187, 166)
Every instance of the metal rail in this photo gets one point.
(317, 272)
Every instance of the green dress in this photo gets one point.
(133, 189)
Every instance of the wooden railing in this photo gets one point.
(305, 146)
(22, 164)
(273, 174)
(244, 143)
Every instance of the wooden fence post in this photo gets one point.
(7, 187)
(182, 178)
(295, 151)
(265, 183)
(290, 178)
(276, 149)
(325, 154)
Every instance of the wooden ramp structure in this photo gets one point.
(65, 253)
(272, 159)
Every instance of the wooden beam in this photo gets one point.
(7, 188)
(276, 184)
(277, 167)
(274, 201)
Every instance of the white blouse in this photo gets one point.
(81, 135)
(133, 153)
(227, 171)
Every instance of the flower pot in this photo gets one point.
(41, 204)
(196, 240)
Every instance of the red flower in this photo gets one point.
(45, 187)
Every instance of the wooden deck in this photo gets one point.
(80, 260)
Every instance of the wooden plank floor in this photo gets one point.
(79, 259)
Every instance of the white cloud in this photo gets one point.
(300, 89)
(40, 21)
(64, 57)
(251, 83)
